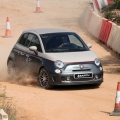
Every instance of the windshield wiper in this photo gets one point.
(57, 50)
(76, 49)
(66, 50)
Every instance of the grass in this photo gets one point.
(7, 105)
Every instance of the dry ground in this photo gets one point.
(61, 103)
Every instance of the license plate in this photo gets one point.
(85, 75)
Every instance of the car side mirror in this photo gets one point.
(33, 48)
(89, 45)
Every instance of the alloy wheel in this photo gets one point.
(44, 79)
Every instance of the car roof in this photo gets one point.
(47, 30)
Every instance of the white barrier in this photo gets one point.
(99, 4)
(86, 16)
(3, 115)
(95, 24)
(117, 47)
(106, 2)
(112, 41)
(95, 7)
(102, 3)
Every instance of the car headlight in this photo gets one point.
(97, 61)
(59, 64)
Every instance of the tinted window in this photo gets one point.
(35, 42)
(26, 39)
(23, 39)
(29, 39)
(63, 42)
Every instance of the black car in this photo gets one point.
(56, 56)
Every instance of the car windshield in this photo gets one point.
(63, 42)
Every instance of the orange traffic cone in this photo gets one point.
(116, 111)
(38, 10)
(8, 31)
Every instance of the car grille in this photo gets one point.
(77, 68)
(81, 70)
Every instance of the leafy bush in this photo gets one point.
(108, 15)
(118, 19)
(117, 4)
(112, 12)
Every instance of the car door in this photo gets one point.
(22, 50)
(20, 53)
(33, 60)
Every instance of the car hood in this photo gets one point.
(84, 56)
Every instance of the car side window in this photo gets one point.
(23, 39)
(26, 39)
(29, 39)
(35, 42)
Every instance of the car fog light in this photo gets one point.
(68, 78)
(58, 71)
(101, 68)
(96, 76)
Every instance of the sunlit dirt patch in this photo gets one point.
(111, 65)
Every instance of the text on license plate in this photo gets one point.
(85, 75)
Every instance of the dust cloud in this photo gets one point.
(21, 78)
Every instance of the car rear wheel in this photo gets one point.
(44, 79)
(11, 68)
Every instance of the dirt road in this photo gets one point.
(61, 103)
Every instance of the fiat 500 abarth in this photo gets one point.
(56, 57)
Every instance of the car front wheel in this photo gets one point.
(44, 79)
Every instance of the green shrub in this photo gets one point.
(108, 15)
(117, 4)
(112, 6)
(112, 12)
(118, 20)
(108, 8)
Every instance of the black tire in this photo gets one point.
(11, 69)
(44, 79)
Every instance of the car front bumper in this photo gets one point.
(89, 74)
(70, 80)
